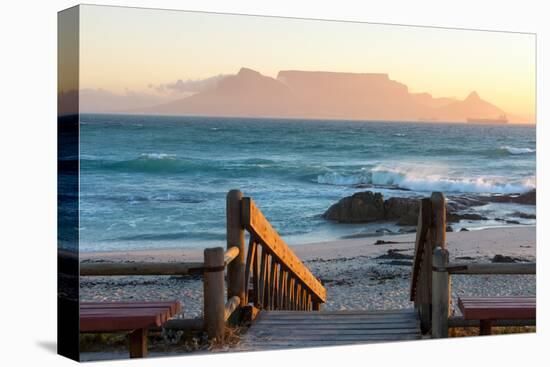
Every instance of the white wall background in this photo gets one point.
(28, 180)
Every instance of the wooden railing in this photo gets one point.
(271, 273)
(274, 277)
(430, 233)
(280, 281)
(430, 279)
(441, 293)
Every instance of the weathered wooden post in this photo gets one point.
(214, 295)
(438, 234)
(235, 238)
(440, 294)
(439, 220)
(422, 297)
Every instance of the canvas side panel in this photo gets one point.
(67, 183)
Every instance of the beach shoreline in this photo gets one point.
(475, 243)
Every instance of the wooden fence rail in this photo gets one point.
(140, 268)
(513, 268)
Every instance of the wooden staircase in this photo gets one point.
(288, 297)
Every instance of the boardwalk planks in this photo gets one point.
(291, 329)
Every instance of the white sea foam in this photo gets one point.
(157, 156)
(515, 151)
(420, 178)
(416, 179)
(334, 178)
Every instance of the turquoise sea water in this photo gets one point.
(157, 182)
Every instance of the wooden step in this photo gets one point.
(301, 329)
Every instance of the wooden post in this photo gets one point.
(214, 297)
(440, 294)
(422, 297)
(235, 238)
(138, 343)
(485, 327)
(438, 227)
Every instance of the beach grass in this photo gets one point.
(459, 332)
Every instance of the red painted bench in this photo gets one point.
(487, 309)
(133, 317)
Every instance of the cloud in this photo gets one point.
(188, 86)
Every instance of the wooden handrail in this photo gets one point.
(278, 257)
(230, 255)
(231, 306)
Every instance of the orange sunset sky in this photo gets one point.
(142, 51)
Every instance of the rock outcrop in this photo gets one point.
(527, 198)
(367, 206)
(361, 207)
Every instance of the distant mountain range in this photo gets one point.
(323, 95)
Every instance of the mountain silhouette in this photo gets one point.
(323, 95)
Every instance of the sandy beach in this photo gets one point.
(357, 273)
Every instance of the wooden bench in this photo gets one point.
(488, 309)
(132, 317)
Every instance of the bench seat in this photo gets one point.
(487, 309)
(132, 317)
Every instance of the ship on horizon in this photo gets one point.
(502, 119)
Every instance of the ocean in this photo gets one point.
(160, 181)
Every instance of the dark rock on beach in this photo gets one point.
(456, 203)
(523, 215)
(528, 198)
(366, 206)
(465, 258)
(382, 242)
(398, 263)
(403, 210)
(506, 259)
(456, 217)
(395, 255)
(361, 207)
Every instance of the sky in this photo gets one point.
(133, 51)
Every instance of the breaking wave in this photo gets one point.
(417, 179)
(516, 151)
